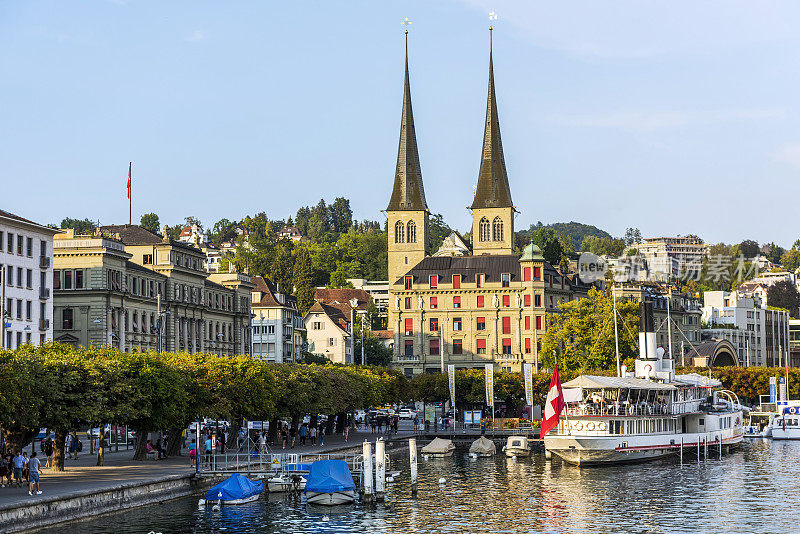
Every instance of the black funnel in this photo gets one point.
(646, 323)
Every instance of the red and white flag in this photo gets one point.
(553, 405)
(129, 179)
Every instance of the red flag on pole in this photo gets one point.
(553, 405)
(129, 179)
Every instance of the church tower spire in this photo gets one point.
(407, 211)
(492, 208)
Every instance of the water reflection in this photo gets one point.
(751, 490)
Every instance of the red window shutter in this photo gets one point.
(480, 301)
(434, 281)
(456, 302)
(527, 344)
(506, 325)
(456, 281)
(527, 300)
(527, 323)
(526, 274)
(537, 273)
(481, 344)
(506, 301)
(409, 325)
(538, 322)
(434, 303)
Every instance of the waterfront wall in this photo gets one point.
(91, 503)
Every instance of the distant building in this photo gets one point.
(760, 335)
(193, 235)
(26, 262)
(291, 233)
(329, 329)
(277, 326)
(668, 257)
(760, 285)
(684, 311)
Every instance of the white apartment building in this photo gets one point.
(26, 261)
(760, 335)
(330, 328)
(377, 289)
(277, 326)
(668, 257)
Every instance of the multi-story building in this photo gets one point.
(291, 233)
(760, 335)
(674, 312)
(378, 290)
(668, 257)
(329, 331)
(454, 305)
(26, 269)
(794, 342)
(130, 278)
(277, 326)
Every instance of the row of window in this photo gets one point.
(28, 339)
(24, 277)
(480, 301)
(480, 324)
(24, 245)
(268, 330)
(496, 230)
(25, 306)
(261, 348)
(528, 274)
(457, 346)
(405, 233)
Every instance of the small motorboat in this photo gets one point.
(439, 447)
(286, 482)
(517, 446)
(330, 483)
(483, 447)
(237, 489)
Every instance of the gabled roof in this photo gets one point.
(384, 334)
(453, 245)
(335, 296)
(467, 266)
(408, 193)
(493, 190)
(340, 315)
(267, 291)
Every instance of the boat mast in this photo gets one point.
(616, 336)
(669, 320)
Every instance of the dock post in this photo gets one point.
(366, 473)
(412, 456)
(380, 469)
(705, 448)
(681, 450)
(698, 449)
(548, 455)
(720, 446)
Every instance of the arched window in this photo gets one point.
(399, 232)
(497, 229)
(483, 230)
(412, 232)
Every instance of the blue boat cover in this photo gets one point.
(297, 467)
(329, 476)
(236, 487)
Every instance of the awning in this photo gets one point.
(615, 382)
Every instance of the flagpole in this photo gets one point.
(566, 415)
(130, 195)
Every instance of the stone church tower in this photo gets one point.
(407, 211)
(492, 209)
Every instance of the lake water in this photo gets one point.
(755, 489)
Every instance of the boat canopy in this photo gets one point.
(615, 382)
(236, 487)
(697, 380)
(438, 446)
(329, 476)
(482, 445)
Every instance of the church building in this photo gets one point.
(456, 305)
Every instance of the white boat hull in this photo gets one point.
(331, 499)
(278, 485)
(517, 452)
(242, 501)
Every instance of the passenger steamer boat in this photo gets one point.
(643, 415)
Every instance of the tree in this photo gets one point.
(552, 248)
(341, 215)
(748, 248)
(81, 226)
(303, 279)
(582, 333)
(438, 230)
(174, 232)
(791, 259)
(320, 222)
(632, 236)
(191, 220)
(375, 351)
(784, 295)
(282, 267)
(774, 252)
(603, 246)
(150, 222)
(223, 230)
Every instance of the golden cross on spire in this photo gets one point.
(492, 16)
(405, 22)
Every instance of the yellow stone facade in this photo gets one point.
(492, 231)
(406, 250)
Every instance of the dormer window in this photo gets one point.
(434, 281)
(505, 279)
(480, 280)
(409, 282)
(456, 281)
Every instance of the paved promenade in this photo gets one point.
(83, 475)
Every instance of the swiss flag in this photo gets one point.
(553, 405)
(129, 179)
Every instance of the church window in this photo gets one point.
(412, 232)
(497, 229)
(483, 230)
(399, 232)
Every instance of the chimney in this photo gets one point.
(647, 363)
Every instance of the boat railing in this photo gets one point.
(267, 463)
(577, 410)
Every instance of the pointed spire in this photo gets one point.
(408, 193)
(493, 190)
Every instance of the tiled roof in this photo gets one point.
(342, 296)
(339, 314)
(384, 334)
(467, 266)
(132, 234)
(131, 266)
(267, 290)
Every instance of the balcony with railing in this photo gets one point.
(44, 324)
(44, 262)
(44, 293)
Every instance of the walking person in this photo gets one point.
(74, 445)
(25, 469)
(284, 437)
(35, 467)
(293, 435)
(48, 452)
(303, 431)
(313, 433)
(321, 436)
(346, 431)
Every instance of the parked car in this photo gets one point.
(405, 413)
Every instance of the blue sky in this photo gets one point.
(676, 117)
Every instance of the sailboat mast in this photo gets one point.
(616, 333)
(669, 320)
